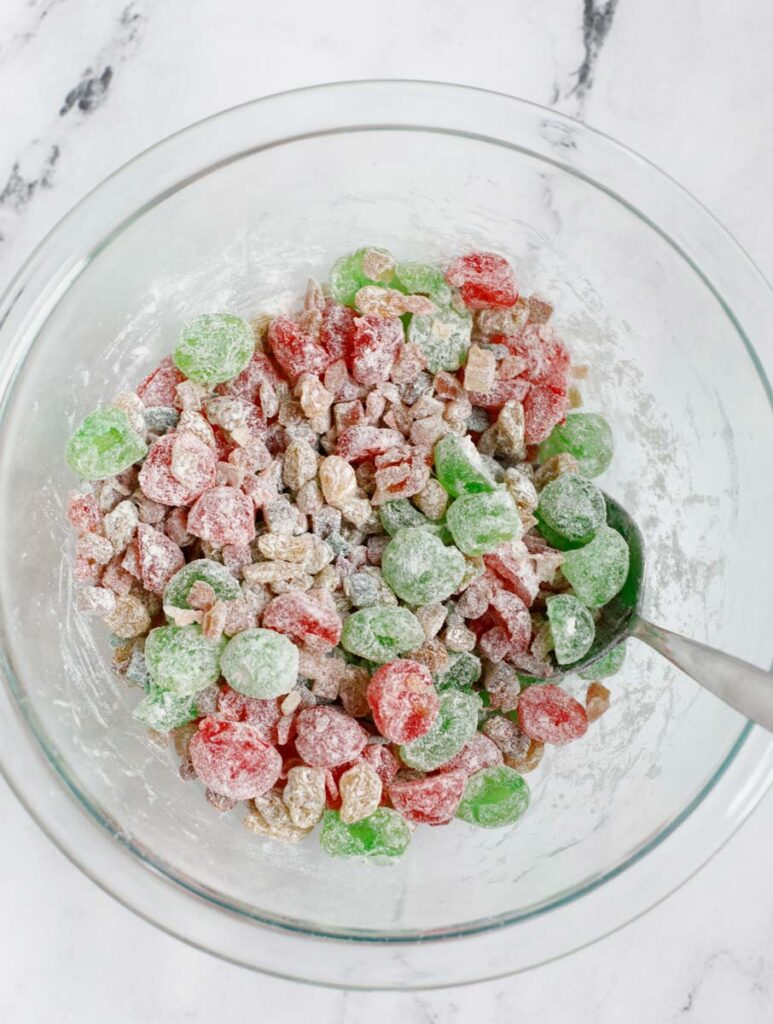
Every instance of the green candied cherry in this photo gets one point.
(182, 659)
(586, 436)
(420, 569)
(104, 445)
(494, 797)
(381, 633)
(481, 522)
(214, 347)
(260, 663)
(570, 511)
(423, 279)
(443, 336)
(456, 724)
(598, 571)
(571, 626)
(202, 570)
(163, 710)
(609, 665)
(460, 468)
(384, 834)
(348, 274)
(462, 669)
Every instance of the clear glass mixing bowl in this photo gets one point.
(649, 291)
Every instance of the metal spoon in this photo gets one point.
(744, 687)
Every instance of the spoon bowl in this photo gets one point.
(618, 617)
(744, 687)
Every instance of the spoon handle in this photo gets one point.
(744, 687)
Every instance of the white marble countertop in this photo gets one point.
(85, 85)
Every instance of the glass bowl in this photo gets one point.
(234, 214)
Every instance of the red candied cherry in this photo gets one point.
(231, 759)
(431, 799)
(327, 737)
(403, 700)
(549, 715)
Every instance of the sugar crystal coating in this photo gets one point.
(231, 758)
(403, 700)
(481, 752)
(304, 795)
(479, 523)
(419, 568)
(400, 514)
(163, 710)
(384, 834)
(550, 715)
(462, 669)
(369, 524)
(309, 618)
(443, 337)
(327, 737)
(586, 436)
(423, 279)
(570, 511)
(382, 633)
(372, 348)
(485, 280)
(222, 515)
(182, 659)
(262, 715)
(431, 800)
(159, 558)
(360, 790)
(494, 797)
(202, 570)
(598, 570)
(347, 275)
(454, 727)
(460, 468)
(104, 445)
(571, 626)
(214, 348)
(157, 478)
(260, 663)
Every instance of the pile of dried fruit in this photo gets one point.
(340, 551)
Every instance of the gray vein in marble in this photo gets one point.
(755, 973)
(38, 14)
(32, 171)
(21, 187)
(89, 93)
(597, 20)
(18, 190)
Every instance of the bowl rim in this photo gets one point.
(11, 364)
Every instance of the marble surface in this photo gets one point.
(85, 85)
